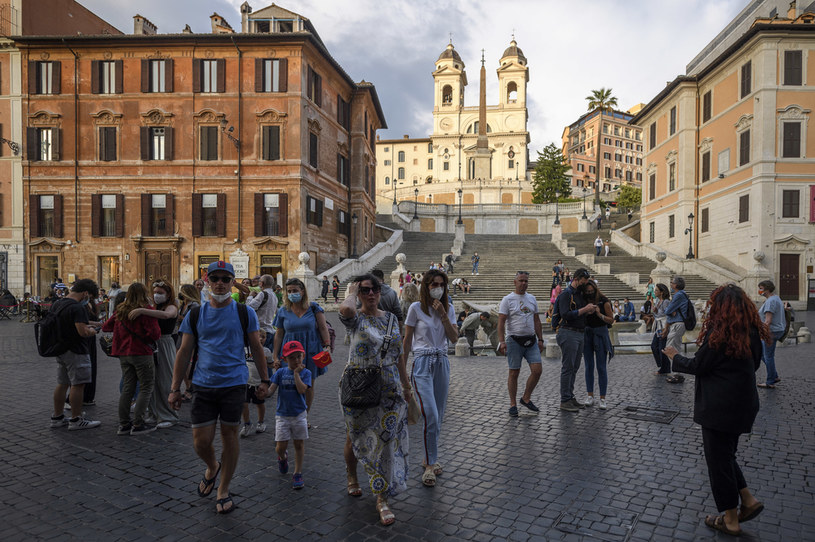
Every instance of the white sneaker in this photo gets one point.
(164, 425)
(62, 421)
(246, 429)
(82, 423)
(589, 400)
(603, 404)
(260, 427)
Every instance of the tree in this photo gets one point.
(629, 197)
(604, 101)
(550, 175)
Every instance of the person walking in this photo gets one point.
(335, 288)
(772, 314)
(388, 298)
(376, 436)
(598, 244)
(725, 398)
(475, 259)
(675, 324)
(220, 333)
(663, 297)
(607, 246)
(449, 259)
(599, 223)
(597, 348)
(608, 212)
(265, 304)
(572, 309)
(519, 337)
(324, 289)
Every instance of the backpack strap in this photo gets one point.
(265, 299)
(243, 315)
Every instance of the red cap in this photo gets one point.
(291, 347)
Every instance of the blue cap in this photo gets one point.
(221, 266)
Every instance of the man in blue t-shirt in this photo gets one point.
(219, 378)
(772, 314)
(674, 329)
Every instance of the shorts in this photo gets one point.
(210, 404)
(515, 352)
(251, 397)
(291, 427)
(73, 369)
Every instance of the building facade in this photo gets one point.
(448, 159)
(729, 163)
(149, 156)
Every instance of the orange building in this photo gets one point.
(149, 156)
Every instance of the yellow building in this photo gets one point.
(728, 166)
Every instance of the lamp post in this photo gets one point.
(557, 213)
(415, 203)
(689, 232)
(460, 193)
(584, 204)
(354, 219)
(228, 133)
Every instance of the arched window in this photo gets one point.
(401, 174)
(401, 156)
(512, 92)
(447, 95)
(473, 128)
(387, 180)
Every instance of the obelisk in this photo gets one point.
(482, 148)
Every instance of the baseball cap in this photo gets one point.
(291, 347)
(221, 266)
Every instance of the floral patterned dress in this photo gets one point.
(379, 435)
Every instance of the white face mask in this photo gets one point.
(436, 293)
(159, 298)
(220, 298)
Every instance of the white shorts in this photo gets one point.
(291, 427)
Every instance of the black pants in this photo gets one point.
(725, 475)
(89, 393)
(657, 344)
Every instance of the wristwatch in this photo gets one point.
(175, 391)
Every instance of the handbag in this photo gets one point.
(361, 387)
(106, 341)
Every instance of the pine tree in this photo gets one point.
(550, 175)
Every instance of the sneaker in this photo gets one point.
(164, 425)
(125, 429)
(513, 411)
(589, 401)
(142, 429)
(82, 423)
(297, 481)
(89, 403)
(246, 429)
(260, 427)
(150, 420)
(569, 406)
(577, 403)
(603, 404)
(530, 405)
(283, 463)
(59, 421)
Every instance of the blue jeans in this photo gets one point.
(571, 345)
(431, 380)
(657, 345)
(516, 353)
(595, 351)
(768, 355)
(475, 267)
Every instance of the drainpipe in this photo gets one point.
(696, 166)
(240, 134)
(76, 140)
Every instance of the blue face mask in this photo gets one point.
(85, 301)
(295, 297)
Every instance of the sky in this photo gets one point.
(634, 47)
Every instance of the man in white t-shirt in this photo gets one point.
(519, 336)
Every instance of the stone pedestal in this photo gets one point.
(458, 243)
(583, 225)
(552, 349)
(804, 336)
(758, 273)
(462, 347)
(307, 276)
(400, 270)
(557, 233)
(661, 273)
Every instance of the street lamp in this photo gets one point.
(415, 203)
(689, 232)
(460, 192)
(228, 133)
(584, 204)
(354, 219)
(557, 213)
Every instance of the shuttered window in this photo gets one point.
(107, 143)
(208, 143)
(43, 144)
(208, 75)
(343, 223)
(673, 121)
(744, 208)
(343, 170)
(705, 166)
(313, 151)
(271, 75)
(209, 215)
(671, 226)
(791, 145)
(157, 214)
(44, 77)
(343, 113)
(156, 143)
(746, 79)
(271, 214)
(791, 206)
(314, 87)
(705, 220)
(652, 186)
(157, 75)
(314, 211)
(707, 106)
(270, 140)
(793, 74)
(107, 76)
(107, 215)
(652, 135)
(744, 147)
(45, 215)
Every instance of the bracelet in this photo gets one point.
(175, 391)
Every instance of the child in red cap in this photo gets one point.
(290, 420)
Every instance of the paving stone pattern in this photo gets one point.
(592, 475)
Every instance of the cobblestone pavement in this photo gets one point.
(593, 475)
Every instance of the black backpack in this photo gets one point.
(48, 333)
(195, 312)
(689, 318)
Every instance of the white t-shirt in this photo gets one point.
(520, 311)
(428, 330)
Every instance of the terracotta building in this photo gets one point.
(149, 156)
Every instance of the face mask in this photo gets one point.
(159, 298)
(436, 293)
(295, 297)
(85, 301)
(220, 298)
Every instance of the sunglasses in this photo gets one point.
(159, 283)
(226, 279)
(365, 290)
(522, 273)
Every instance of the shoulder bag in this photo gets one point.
(361, 387)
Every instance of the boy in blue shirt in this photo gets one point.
(290, 420)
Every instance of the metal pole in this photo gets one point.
(557, 213)
(415, 203)
(584, 203)
(689, 231)
(460, 194)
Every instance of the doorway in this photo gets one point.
(47, 273)
(158, 264)
(272, 264)
(788, 283)
(108, 271)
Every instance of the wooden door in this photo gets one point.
(158, 264)
(788, 276)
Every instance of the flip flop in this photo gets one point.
(717, 523)
(222, 503)
(209, 483)
(746, 514)
(766, 386)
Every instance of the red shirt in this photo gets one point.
(125, 343)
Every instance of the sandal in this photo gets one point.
(717, 523)
(746, 514)
(386, 517)
(675, 379)
(353, 484)
(429, 477)
(209, 483)
(437, 470)
(222, 503)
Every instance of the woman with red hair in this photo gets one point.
(726, 400)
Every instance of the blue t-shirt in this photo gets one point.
(774, 305)
(290, 402)
(221, 358)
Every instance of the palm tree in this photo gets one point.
(604, 101)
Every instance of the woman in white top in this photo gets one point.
(663, 297)
(429, 324)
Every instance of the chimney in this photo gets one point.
(219, 25)
(246, 9)
(187, 29)
(406, 136)
(143, 27)
(791, 11)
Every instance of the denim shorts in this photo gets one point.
(210, 404)
(515, 352)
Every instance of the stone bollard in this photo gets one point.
(804, 336)
(552, 349)
(462, 347)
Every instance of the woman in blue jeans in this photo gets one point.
(597, 349)
(663, 296)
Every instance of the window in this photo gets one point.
(343, 224)
(106, 76)
(705, 166)
(314, 87)
(724, 161)
(671, 226)
(606, 141)
(447, 95)
(107, 215)
(313, 150)
(209, 143)
(44, 77)
(705, 226)
(672, 176)
(638, 161)
(746, 79)
(628, 175)
(592, 169)
(652, 232)
(386, 163)
(344, 114)
(387, 180)
(43, 144)
(314, 211)
(744, 208)
(608, 172)
(157, 215)
(605, 128)
(445, 166)
(791, 145)
(208, 75)
(791, 203)
(344, 170)
(107, 143)
(672, 130)
(401, 173)
(652, 186)
(271, 214)
(652, 134)
(156, 143)
(45, 215)
(271, 75)
(618, 173)
(581, 167)
(607, 155)
(707, 106)
(618, 157)
(744, 147)
(156, 75)
(430, 147)
(430, 163)
(209, 215)
(792, 68)
(270, 141)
